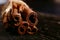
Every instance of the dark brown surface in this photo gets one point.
(48, 26)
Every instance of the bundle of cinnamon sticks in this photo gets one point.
(19, 14)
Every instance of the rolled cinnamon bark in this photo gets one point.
(32, 18)
(23, 8)
(24, 23)
(22, 28)
(28, 14)
(6, 17)
(14, 5)
(23, 12)
(32, 29)
(29, 30)
(5, 21)
(16, 17)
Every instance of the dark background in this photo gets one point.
(46, 6)
(41, 5)
(49, 22)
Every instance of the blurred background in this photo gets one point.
(46, 6)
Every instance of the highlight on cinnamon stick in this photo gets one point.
(6, 18)
(14, 5)
(6, 12)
